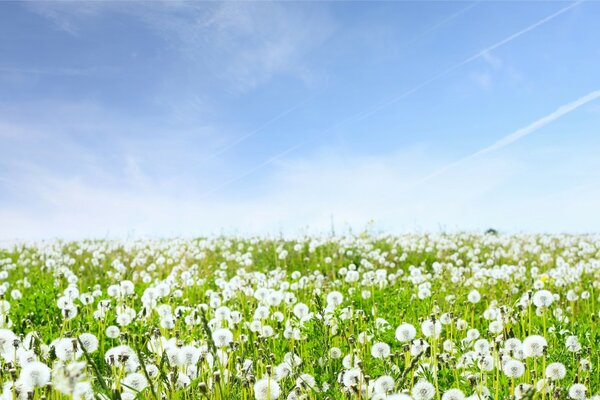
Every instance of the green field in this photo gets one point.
(359, 317)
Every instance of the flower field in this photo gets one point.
(451, 317)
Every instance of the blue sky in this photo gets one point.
(173, 118)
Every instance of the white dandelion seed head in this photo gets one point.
(423, 390)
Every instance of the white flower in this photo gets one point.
(266, 389)
(113, 332)
(513, 368)
(423, 390)
(89, 342)
(334, 299)
(556, 371)
(135, 381)
(474, 296)
(405, 333)
(35, 374)
(543, 298)
(308, 381)
(335, 352)
(384, 384)
(534, 345)
(431, 328)
(453, 394)
(380, 350)
(577, 391)
(222, 337)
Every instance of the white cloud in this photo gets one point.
(302, 192)
(483, 79)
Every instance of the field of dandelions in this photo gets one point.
(420, 317)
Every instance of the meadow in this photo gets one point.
(371, 316)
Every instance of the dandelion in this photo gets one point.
(556, 371)
(380, 350)
(384, 384)
(112, 332)
(543, 298)
(423, 390)
(453, 394)
(307, 380)
(431, 328)
(335, 353)
(89, 342)
(513, 368)
(135, 381)
(222, 337)
(334, 299)
(534, 346)
(35, 374)
(577, 391)
(266, 389)
(474, 296)
(405, 333)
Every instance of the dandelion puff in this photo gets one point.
(6, 340)
(222, 337)
(282, 371)
(399, 396)
(453, 394)
(352, 377)
(35, 374)
(113, 332)
(65, 349)
(513, 368)
(521, 390)
(534, 345)
(307, 380)
(384, 384)
(335, 352)
(543, 298)
(301, 310)
(83, 391)
(334, 299)
(431, 328)
(380, 350)
(423, 390)
(405, 333)
(89, 342)
(577, 391)
(556, 371)
(474, 296)
(152, 370)
(135, 381)
(266, 389)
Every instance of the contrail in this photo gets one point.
(378, 107)
(519, 133)
(250, 171)
(443, 22)
(257, 130)
(303, 102)
(481, 53)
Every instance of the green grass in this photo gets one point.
(427, 277)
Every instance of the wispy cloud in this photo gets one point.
(302, 192)
(370, 111)
(243, 44)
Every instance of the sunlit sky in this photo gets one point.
(172, 118)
